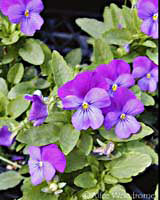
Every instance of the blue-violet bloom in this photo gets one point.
(6, 138)
(147, 72)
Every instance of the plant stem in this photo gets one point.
(10, 162)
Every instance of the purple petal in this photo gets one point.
(111, 119)
(55, 157)
(144, 84)
(6, 4)
(35, 6)
(36, 172)
(98, 97)
(96, 117)
(125, 80)
(71, 102)
(154, 73)
(150, 27)
(133, 107)
(16, 13)
(141, 66)
(31, 24)
(154, 30)
(5, 137)
(80, 120)
(126, 127)
(152, 85)
(34, 152)
(81, 84)
(38, 122)
(28, 97)
(48, 171)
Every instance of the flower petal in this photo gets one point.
(5, 137)
(6, 4)
(126, 127)
(98, 97)
(150, 28)
(154, 30)
(48, 171)
(38, 122)
(35, 6)
(144, 84)
(31, 24)
(154, 73)
(152, 85)
(71, 102)
(133, 107)
(54, 156)
(16, 13)
(34, 152)
(125, 80)
(111, 119)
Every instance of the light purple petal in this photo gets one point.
(154, 30)
(154, 73)
(152, 85)
(6, 4)
(144, 84)
(35, 6)
(34, 152)
(39, 122)
(16, 13)
(125, 80)
(28, 97)
(48, 171)
(111, 119)
(31, 24)
(126, 127)
(54, 156)
(71, 102)
(150, 28)
(141, 66)
(5, 137)
(98, 97)
(133, 107)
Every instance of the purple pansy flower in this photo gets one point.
(121, 113)
(86, 94)
(148, 12)
(6, 138)
(116, 73)
(44, 161)
(25, 13)
(147, 71)
(39, 110)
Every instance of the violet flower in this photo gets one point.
(121, 114)
(39, 110)
(117, 74)
(85, 95)
(25, 13)
(147, 71)
(6, 137)
(148, 12)
(44, 162)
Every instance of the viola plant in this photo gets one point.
(74, 130)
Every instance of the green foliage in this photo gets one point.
(15, 73)
(3, 86)
(85, 144)
(74, 57)
(85, 180)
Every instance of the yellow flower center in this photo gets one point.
(41, 164)
(114, 87)
(155, 17)
(26, 13)
(148, 75)
(123, 116)
(85, 106)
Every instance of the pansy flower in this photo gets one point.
(44, 162)
(147, 72)
(6, 138)
(25, 13)
(116, 73)
(39, 110)
(86, 94)
(121, 114)
(148, 12)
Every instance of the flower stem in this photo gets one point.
(10, 162)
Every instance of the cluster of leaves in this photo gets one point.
(28, 64)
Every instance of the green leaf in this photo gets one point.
(85, 144)
(93, 27)
(35, 135)
(136, 146)
(149, 43)
(32, 52)
(40, 83)
(89, 193)
(17, 106)
(85, 180)
(108, 20)
(137, 91)
(157, 193)
(110, 179)
(8, 122)
(74, 57)
(130, 164)
(68, 138)
(9, 179)
(61, 71)
(11, 39)
(3, 86)
(31, 192)
(101, 52)
(147, 100)
(118, 36)
(75, 161)
(3, 104)
(15, 73)
(117, 192)
(8, 55)
(153, 55)
(110, 135)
